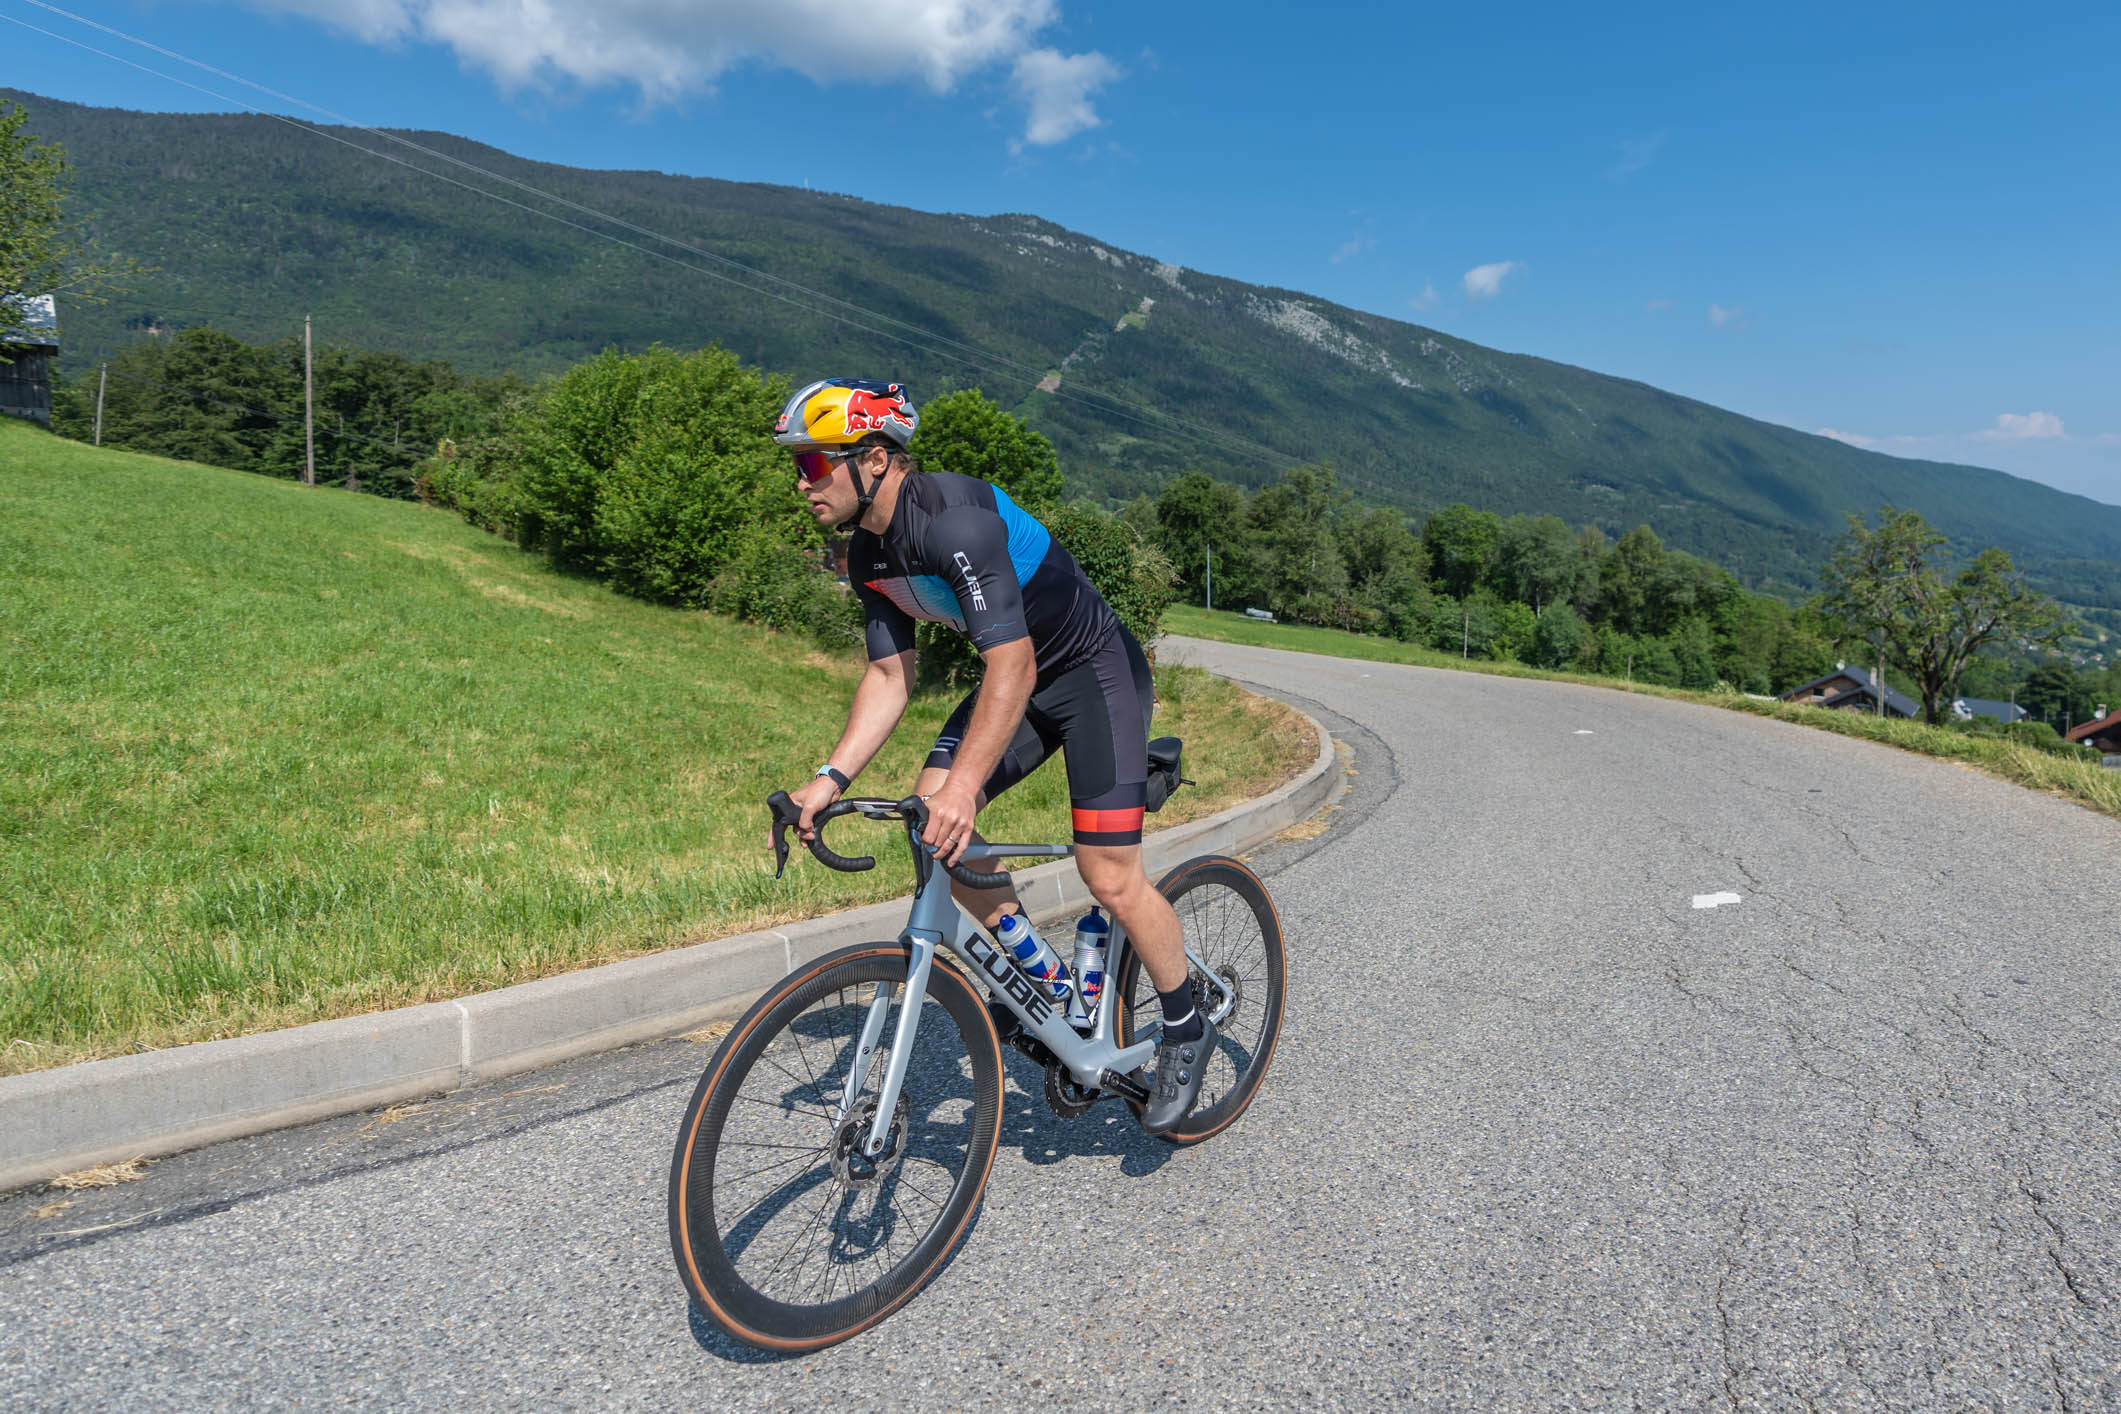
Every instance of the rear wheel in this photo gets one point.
(1233, 934)
(788, 1234)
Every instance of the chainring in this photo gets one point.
(1068, 1099)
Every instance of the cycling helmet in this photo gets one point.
(840, 412)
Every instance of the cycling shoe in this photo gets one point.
(1181, 1066)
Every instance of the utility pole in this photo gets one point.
(102, 379)
(1465, 636)
(309, 412)
(1209, 576)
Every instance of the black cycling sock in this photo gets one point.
(1181, 1018)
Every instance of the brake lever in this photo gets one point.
(785, 813)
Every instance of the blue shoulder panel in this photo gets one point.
(1028, 540)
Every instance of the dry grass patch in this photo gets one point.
(102, 1176)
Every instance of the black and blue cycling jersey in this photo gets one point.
(959, 551)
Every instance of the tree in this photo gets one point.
(1462, 543)
(1558, 638)
(1538, 561)
(1294, 520)
(965, 433)
(41, 251)
(1196, 512)
(1629, 579)
(2056, 692)
(1885, 582)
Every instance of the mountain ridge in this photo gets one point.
(253, 222)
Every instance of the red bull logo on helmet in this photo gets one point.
(868, 412)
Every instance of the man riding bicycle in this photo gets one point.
(1061, 671)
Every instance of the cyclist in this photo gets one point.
(1061, 671)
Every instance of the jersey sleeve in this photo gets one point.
(886, 628)
(969, 549)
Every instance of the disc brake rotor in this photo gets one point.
(850, 1165)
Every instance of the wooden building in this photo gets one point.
(2103, 731)
(29, 342)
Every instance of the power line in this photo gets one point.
(913, 335)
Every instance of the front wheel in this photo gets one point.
(788, 1233)
(1233, 934)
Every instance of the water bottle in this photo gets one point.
(1035, 956)
(1092, 935)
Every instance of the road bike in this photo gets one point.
(835, 1150)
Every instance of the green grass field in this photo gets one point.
(2085, 782)
(270, 755)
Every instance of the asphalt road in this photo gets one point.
(1540, 1133)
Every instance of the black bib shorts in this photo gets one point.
(1097, 715)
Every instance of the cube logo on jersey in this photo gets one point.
(979, 600)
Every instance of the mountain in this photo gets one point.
(253, 221)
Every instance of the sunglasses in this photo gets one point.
(814, 467)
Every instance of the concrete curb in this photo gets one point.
(73, 1117)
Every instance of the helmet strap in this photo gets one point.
(863, 497)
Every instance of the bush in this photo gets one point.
(2033, 733)
(769, 582)
(656, 470)
(1557, 638)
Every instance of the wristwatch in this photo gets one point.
(839, 777)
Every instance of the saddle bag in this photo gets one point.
(1164, 776)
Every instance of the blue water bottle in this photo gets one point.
(1092, 936)
(1035, 956)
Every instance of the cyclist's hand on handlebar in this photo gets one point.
(951, 811)
(813, 797)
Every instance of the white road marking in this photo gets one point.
(1714, 900)
(1585, 731)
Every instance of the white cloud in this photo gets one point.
(1056, 87)
(668, 48)
(2017, 427)
(1361, 243)
(1719, 317)
(1485, 281)
(1427, 298)
(1657, 306)
(1638, 153)
(1854, 439)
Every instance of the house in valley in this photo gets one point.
(1965, 709)
(2102, 731)
(1850, 689)
(29, 346)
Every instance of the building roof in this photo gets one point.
(1967, 708)
(2098, 726)
(1854, 674)
(31, 322)
(1899, 704)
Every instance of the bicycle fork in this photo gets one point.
(901, 1044)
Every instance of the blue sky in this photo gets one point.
(1898, 226)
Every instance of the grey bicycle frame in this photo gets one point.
(936, 921)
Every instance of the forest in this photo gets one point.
(655, 470)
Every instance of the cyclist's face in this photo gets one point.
(831, 497)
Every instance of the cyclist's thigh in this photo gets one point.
(1027, 749)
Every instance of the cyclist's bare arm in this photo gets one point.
(879, 701)
(1005, 688)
